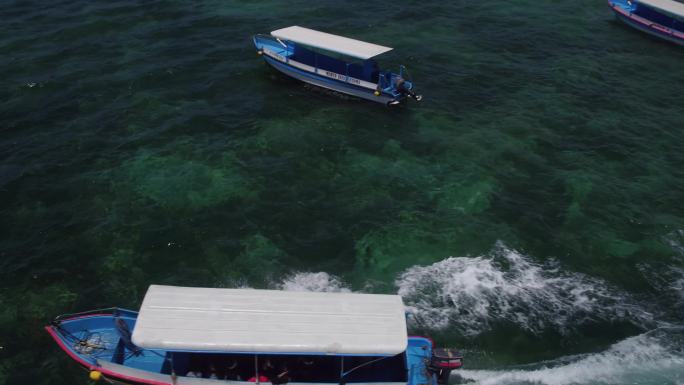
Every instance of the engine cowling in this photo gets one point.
(443, 361)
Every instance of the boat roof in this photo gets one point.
(270, 321)
(670, 6)
(344, 45)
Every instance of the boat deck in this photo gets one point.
(94, 338)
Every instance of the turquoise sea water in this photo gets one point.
(529, 211)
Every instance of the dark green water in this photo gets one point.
(145, 142)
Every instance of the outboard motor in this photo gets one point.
(406, 88)
(443, 361)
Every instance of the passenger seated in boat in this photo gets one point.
(262, 378)
(281, 378)
(304, 370)
(194, 367)
(278, 373)
(193, 374)
(232, 371)
(211, 372)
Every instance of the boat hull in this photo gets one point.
(327, 84)
(623, 14)
(282, 58)
(98, 343)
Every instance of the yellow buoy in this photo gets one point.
(95, 375)
(377, 93)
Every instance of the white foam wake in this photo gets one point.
(469, 294)
(318, 282)
(651, 358)
(669, 283)
(676, 241)
(678, 284)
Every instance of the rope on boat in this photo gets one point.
(81, 344)
(85, 342)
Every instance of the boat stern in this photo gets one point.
(430, 365)
(418, 353)
(398, 87)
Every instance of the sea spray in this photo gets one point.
(677, 285)
(469, 294)
(676, 242)
(317, 282)
(668, 281)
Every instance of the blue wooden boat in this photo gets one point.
(193, 336)
(660, 18)
(334, 62)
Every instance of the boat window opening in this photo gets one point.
(282, 369)
(331, 64)
(237, 367)
(367, 70)
(374, 369)
(658, 17)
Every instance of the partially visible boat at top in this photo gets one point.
(660, 18)
(207, 336)
(335, 62)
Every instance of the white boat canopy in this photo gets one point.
(270, 321)
(344, 45)
(670, 6)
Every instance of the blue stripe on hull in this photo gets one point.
(643, 28)
(327, 83)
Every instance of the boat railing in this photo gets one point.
(385, 81)
(114, 311)
(264, 36)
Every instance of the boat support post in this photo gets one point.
(256, 368)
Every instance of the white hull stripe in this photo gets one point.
(329, 74)
(324, 83)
